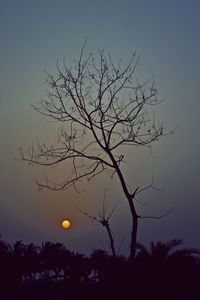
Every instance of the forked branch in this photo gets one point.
(103, 220)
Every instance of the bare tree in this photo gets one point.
(103, 107)
(103, 220)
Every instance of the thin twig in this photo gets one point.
(158, 217)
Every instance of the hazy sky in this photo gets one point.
(165, 34)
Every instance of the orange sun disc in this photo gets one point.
(65, 224)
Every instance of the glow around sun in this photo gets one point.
(65, 224)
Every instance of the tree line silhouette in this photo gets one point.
(50, 271)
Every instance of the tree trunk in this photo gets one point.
(133, 238)
(134, 215)
(111, 239)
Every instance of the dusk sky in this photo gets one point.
(166, 36)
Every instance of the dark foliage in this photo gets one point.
(52, 272)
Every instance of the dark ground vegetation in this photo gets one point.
(52, 272)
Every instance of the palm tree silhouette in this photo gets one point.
(99, 260)
(31, 262)
(46, 263)
(18, 262)
(5, 264)
(162, 251)
(162, 267)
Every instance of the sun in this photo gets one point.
(65, 224)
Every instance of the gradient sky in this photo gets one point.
(165, 34)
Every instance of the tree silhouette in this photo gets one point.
(79, 269)
(161, 271)
(18, 261)
(163, 267)
(103, 109)
(162, 251)
(48, 260)
(31, 262)
(55, 257)
(99, 261)
(5, 264)
(103, 220)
